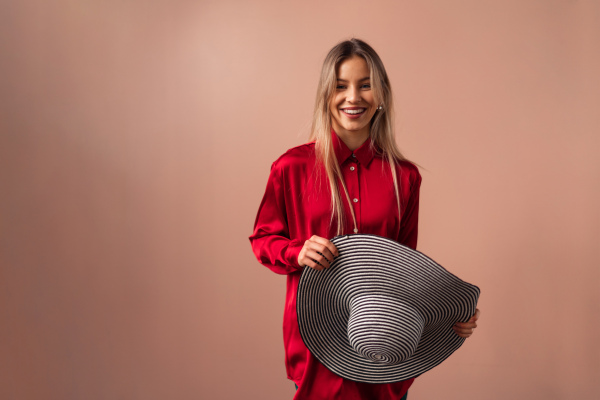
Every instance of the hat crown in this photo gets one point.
(365, 313)
(383, 328)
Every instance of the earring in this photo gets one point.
(380, 108)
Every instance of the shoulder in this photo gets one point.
(408, 171)
(295, 157)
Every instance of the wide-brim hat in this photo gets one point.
(382, 312)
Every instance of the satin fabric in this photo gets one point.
(297, 205)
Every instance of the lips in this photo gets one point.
(353, 112)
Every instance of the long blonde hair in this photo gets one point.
(382, 124)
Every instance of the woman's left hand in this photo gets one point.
(466, 329)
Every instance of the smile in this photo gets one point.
(353, 111)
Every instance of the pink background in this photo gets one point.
(136, 140)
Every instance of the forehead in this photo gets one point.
(354, 67)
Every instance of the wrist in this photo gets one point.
(292, 253)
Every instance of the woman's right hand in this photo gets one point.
(317, 253)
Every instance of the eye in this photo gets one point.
(366, 86)
(340, 87)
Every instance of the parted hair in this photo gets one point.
(381, 128)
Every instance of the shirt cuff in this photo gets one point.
(292, 252)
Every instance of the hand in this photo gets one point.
(466, 329)
(317, 253)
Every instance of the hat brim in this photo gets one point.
(377, 265)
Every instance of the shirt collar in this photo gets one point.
(364, 154)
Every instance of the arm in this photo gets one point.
(408, 237)
(270, 240)
(409, 224)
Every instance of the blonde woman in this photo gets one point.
(350, 178)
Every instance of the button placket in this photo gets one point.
(352, 184)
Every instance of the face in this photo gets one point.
(352, 105)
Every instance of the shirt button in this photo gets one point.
(355, 230)
(355, 200)
(351, 168)
(353, 155)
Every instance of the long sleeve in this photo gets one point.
(409, 224)
(297, 205)
(270, 240)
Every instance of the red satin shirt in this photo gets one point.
(297, 205)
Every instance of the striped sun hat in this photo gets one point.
(382, 312)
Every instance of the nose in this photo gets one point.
(353, 95)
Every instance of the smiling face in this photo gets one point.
(352, 105)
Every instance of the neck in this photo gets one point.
(353, 139)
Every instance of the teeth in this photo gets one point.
(355, 111)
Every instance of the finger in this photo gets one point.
(322, 246)
(314, 265)
(464, 333)
(325, 242)
(308, 262)
(466, 325)
(475, 316)
(308, 254)
(463, 330)
(324, 252)
(321, 250)
(305, 261)
(318, 258)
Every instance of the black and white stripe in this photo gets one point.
(382, 312)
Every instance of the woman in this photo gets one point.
(350, 178)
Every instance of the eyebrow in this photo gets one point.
(360, 80)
